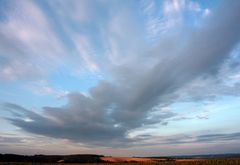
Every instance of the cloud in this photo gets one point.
(218, 137)
(28, 43)
(225, 82)
(84, 49)
(173, 6)
(43, 88)
(76, 19)
(118, 31)
(77, 11)
(35, 42)
(179, 139)
(139, 86)
(78, 125)
(167, 17)
(9, 140)
(23, 144)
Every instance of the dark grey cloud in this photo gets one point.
(218, 137)
(113, 109)
(9, 140)
(209, 138)
(187, 139)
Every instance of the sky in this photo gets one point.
(120, 78)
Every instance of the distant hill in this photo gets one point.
(228, 155)
(85, 158)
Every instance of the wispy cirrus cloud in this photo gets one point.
(165, 16)
(33, 47)
(25, 32)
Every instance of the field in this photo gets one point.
(220, 161)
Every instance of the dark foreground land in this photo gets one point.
(11, 159)
(220, 161)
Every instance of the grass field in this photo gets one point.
(225, 161)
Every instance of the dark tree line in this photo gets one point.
(51, 158)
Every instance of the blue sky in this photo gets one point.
(128, 78)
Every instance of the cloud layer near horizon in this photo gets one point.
(142, 83)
